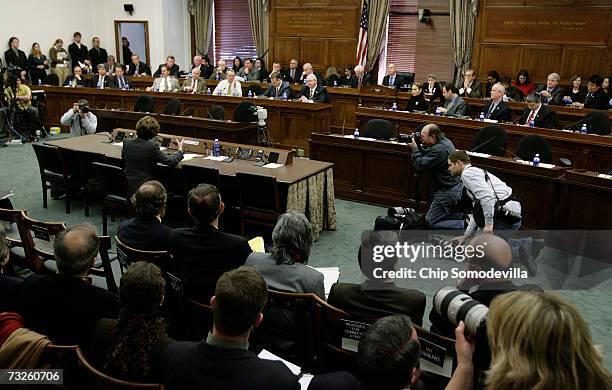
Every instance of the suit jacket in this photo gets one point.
(142, 69)
(253, 75)
(64, 308)
(222, 75)
(296, 78)
(475, 92)
(140, 158)
(78, 55)
(108, 81)
(320, 80)
(346, 81)
(205, 70)
(436, 91)
(365, 81)
(597, 101)
(556, 98)
(174, 84)
(418, 103)
(126, 82)
(174, 71)
(200, 87)
(546, 118)
(378, 299)
(198, 250)
(501, 113)
(320, 94)
(198, 365)
(83, 82)
(145, 234)
(459, 108)
(18, 59)
(285, 87)
(398, 82)
(98, 57)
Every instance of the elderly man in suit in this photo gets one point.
(541, 115)
(471, 88)
(454, 105)
(196, 84)
(165, 83)
(551, 92)
(307, 69)
(361, 78)
(278, 88)
(137, 68)
(120, 81)
(171, 65)
(392, 79)
(497, 108)
(102, 80)
(313, 92)
(220, 72)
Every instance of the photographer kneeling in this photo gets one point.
(80, 119)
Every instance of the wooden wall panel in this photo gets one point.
(285, 49)
(341, 52)
(586, 60)
(538, 59)
(505, 57)
(316, 50)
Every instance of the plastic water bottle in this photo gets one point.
(250, 94)
(304, 81)
(216, 148)
(536, 160)
(481, 117)
(39, 82)
(219, 93)
(208, 91)
(284, 95)
(335, 83)
(394, 107)
(583, 129)
(356, 133)
(531, 123)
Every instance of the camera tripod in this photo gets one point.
(263, 137)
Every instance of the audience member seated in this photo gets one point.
(276, 68)
(102, 80)
(37, 65)
(203, 68)
(171, 65)
(292, 75)
(347, 78)
(308, 70)
(60, 61)
(204, 248)
(131, 347)
(137, 68)
(76, 79)
(417, 101)
(471, 88)
(523, 82)
(260, 66)
(220, 72)
(576, 92)
(496, 108)
(110, 65)
(331, 77)
(80, 119)
(165, 82)
(8, 282)
(285, 267)
(541, 115)
(453, 105)
(392, 79)
(432, 87)
(195, 84)
(512, 92)
(206, 67)
(278, 88)
(146, 231)
(551, 92)
(596, 98)
(389, 354)
(141, 154)
(97, 55)
(313, 92)
(65, 306)
(120, 81)
(229, 86)
(540, 341)
(248, 71)
(237, 64)
(361, 78)
(223, 360)
(492, 78)
(605, 85)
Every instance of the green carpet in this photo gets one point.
(334, 248)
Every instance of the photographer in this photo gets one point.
(21, 96)
(80, 119)
(430, 155)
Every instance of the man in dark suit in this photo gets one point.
(102, 80)
(278, 88)
(78, 52)
(596, 98)
(97, 55)
(471, 88)
(551, 92)
(361, 78)
(15, 57)
(223, 359)
(393, 79)
(171, 65)
(137, 68)
(541, 115)
(120, 81)
(496, 108)
(146, 231)
(65, 306)
(307, 69)
(313, 92)
(292, 75)
(204, 249)
(454, 105)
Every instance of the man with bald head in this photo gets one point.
(307, 69)
(496, 108)
(392, 79)
(65, 306)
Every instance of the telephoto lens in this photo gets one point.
(457, 306)
(393, 211)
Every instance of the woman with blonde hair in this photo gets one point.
(37, 65)
(539, 341)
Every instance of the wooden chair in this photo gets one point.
(106, 271)
(89, 183)
(259, 200)
(436, 374)
(197, 319)
(53, 172)
(128, 255)
(100, 381)
(115, 190)
(63, 357)
(15, 233)
(38, 240)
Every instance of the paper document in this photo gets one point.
(330, 276)
(189, 156)
(272, 165)
(220, 158)
(118, 144)
(257, 244)
(483, 155)
(270, 356)
(605, 176)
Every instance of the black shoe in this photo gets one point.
(527, 260)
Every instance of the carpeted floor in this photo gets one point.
(334, 248)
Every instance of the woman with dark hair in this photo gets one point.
(492, 79)
(417, 102)
(523, 82)
(37, 65)
(347, 76)
(130, 348)
(605, 86)
(512, 92)
(576, 92)
(237, 64)
(260, 65)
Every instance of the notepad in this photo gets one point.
(118, 144)
(609, 177)
(540, 165)
(190, 156)
(330, 276)
(272, 165)
(218, 158)
(476, 154)
(267, 355)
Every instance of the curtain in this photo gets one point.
(462, 19)
(259, 24)
(202, 10)
(377, 29)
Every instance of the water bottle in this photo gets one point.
(208, 91)
(394, 107)
(250, 94)
(481, 117)
(531, 123)
(216, 148)
(39, 82)
(356, 133)
(218, 77)
(304, 80)
(284, 95)
(219, 93)
(335, 83)
(583, 129)
(536, 160)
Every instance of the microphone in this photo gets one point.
(482, 144)
(187, 110)
(343, 123)
(514, 156)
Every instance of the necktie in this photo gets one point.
(311, 93)
(229, 89)
(101, 82)
(277, 90)
(391, 80)
(293, 73)
(359, 83)
(491, 109)
(530, 118)
(194, 83)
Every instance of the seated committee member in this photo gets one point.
(97, 55)
(220, 72)
(120, 81)
(131, 347)
(308, 70)
(230, 86)
(204, 248)
(278, 88)
(313, 92)
(195, 84)
(392, 79)
(60, 60)
(141, 155)
(541, 115)
(285, 267)
(223, 359)
(248, 71)
(523, 82)
(596, 98)
(361, 78)
(137, 68)
(471, 88)
(551, 92)
(80, 119)
(576, 92)
(102, 80)
(496, 108)
(433, 88)
(146, 232)
(417, 101)
(76, 79)
(171, 65)
(292, 75)
(453, 105)
(164, 83)
(65, 306)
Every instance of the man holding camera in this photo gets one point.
(430, 151)
(80, 119)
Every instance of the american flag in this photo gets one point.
(362, 45)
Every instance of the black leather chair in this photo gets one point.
(259, 200)
(144, 103)
(529, 145)
(115, 190)
(89, 183)
(194, 175)
(379, 129)
(408, 78)
(173, 107)
(52, 79)
(216, 112)
(491, 140)
(53, 172)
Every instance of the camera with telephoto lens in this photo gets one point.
(416, 136)
(456, 306)
(399, 211)
(83, 107)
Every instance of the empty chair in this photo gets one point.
(491, 140)
(115, 191)
(597, 123)
(259, 200)
(216, 112)
(173, 107)
(53, 172)
(529, 145)
(89, 183)
(52, 79)
(379, 129)
(144, 103)
(408, 78)
(194, 175)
